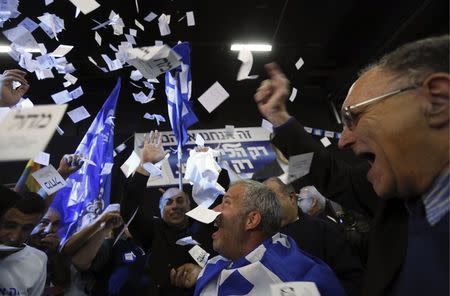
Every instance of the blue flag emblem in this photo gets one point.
(88, 190)
(178, 91)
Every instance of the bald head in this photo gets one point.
(173, 205)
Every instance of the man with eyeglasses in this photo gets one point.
(396, 115)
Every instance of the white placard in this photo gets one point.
(213, 97)
(49, 179)
(25, 132)
(299, 166)
(200, 256)
(294, 289)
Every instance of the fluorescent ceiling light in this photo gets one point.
(7, 48)
(251, 47)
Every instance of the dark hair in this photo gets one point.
(285, 188)
(7, 199)
(31, 203)
(27, 202)
(417, 59)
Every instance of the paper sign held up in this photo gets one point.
(25, 132)
(49, 178)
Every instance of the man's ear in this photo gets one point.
(253, 220)
(437, 110)
(293, 199)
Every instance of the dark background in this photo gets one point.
(334, 38)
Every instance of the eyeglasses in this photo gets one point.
(349, 117)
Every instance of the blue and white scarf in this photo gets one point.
(276, 260)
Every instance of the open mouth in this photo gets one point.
(370, 157)
(217, 225)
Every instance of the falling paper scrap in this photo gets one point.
(157, 117)
(78, 114)
(299, 166)
(163, 23)
(246, 57)
(86, 6)
(293, 94)
(143, 98)
(213, 97)
(153, 60)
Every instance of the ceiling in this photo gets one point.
(334, 38)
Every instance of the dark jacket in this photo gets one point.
(349, 187)
(326, 242)
(157, 238)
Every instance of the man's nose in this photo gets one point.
(347, 138)
(48, 228)
(218, 208)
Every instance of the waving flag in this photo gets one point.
(178, 91)
(26, 181)
(87, 192)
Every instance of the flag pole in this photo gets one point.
(179, 140)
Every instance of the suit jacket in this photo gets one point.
(348, 186)
(325, 241)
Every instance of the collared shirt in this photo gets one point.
(437, 199)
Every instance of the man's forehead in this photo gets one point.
(372, 83)
(235, 191)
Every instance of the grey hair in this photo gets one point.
(258, 197)
(417, 59)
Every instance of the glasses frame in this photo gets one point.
(349, 118)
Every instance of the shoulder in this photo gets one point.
(34, 254)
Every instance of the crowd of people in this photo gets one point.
(380, 228)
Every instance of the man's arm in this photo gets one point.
(330, 176)
(79, 239)
(84, 256)
(141, 227)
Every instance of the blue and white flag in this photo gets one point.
(178, 91)
(276, 260)
(87, 192)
